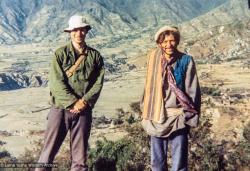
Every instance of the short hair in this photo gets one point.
(167, 33)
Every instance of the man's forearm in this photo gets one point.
(92, 95)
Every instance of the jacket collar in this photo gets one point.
(71, 51)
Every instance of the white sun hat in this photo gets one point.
(77, 21)
(166, 28)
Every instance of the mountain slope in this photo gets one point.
(39, 20)
(230, 12)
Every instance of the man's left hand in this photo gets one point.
(79, 106)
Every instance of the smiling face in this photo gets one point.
(169, 44)
(78, 35)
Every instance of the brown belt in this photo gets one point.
(174, 111)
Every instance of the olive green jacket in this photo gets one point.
(85, 83)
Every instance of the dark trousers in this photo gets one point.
(59, 122)
(179, 151)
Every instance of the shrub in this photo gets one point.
(206, 154)
(246, 132)
(121, 155)
(135, 107)
(203, 152)
(238, 156)
(131, 119)
(212, 91)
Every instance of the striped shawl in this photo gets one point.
(153, 104)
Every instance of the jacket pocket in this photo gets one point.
(86, 72)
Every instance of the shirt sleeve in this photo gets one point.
(58, 84)
(192, 89)
(93, 94)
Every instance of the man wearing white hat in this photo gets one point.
(171, 101)
(75, 81)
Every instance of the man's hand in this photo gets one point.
(79, 106)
